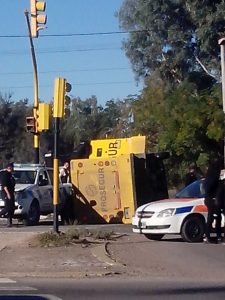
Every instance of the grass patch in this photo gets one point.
(52, 239)
(73, 236)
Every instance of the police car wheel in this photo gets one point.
(33, 215)
(193, 228)
(155, 237)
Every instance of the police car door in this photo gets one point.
(45, 191)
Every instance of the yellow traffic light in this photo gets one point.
(37, 19)
(30, 124)
(43, 117)
(61, 100)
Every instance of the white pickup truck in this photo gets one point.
(34, 193)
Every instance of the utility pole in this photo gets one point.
(33, 29)
(221, 42)
(61, 87)
(35, 107)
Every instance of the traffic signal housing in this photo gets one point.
(61, 100)
(30, 124)
(38, 19)
(43, 117)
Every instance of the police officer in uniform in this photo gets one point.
(8, 187)
(212, 180)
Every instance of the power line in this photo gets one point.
(66, 71)
(59, 51)
(91, 33)
(74, 84)
(77, 34)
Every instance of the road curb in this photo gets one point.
(60, 274)
(101, 253)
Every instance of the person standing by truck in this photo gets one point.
(220, 208)
(191, 175)
(212, 179)
(67, 211)
(8, 187)
(64, 174)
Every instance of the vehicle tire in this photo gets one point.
(67, 212)
(33, 215)
(192, 230)
(155, 237)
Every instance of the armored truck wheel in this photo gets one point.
(33, 215)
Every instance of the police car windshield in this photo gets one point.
(24, 177)
(193, 190)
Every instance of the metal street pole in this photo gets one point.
(221, 42)
(56, 176)
(61, 86)
(222, 53)
(35, 108)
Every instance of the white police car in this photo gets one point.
(185, 215)
(34, 193)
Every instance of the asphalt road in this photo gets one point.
(111, 288)
(169, 269)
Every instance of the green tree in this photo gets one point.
(148, 109)
(185, 122)
(13, 137)
(87, 121)
(117, 116)
(21, 139)
(174, 37)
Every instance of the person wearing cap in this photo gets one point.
(8, 187)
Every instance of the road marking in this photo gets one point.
(17, 288)
(31, 296)
(7, 280)
(9, 287)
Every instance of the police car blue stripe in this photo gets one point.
(185, 209)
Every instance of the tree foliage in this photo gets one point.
(85, 120)
(174, 37)
(13, 136)
(187, 123)
(174, 46)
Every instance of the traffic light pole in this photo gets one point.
(222, 54)
(56, 175)
(60, 88)
(35, 108)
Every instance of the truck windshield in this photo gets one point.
(24, 177)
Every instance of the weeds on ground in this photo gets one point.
(73, 236)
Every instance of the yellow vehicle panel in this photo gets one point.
(116, 147)
(101, 180)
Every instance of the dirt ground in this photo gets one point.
(128, 255)
(22, 255)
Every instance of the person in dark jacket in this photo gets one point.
(220, 208)
(8, 186)
(191, 175)
(211, 188)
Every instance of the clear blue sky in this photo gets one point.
(94, 65)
